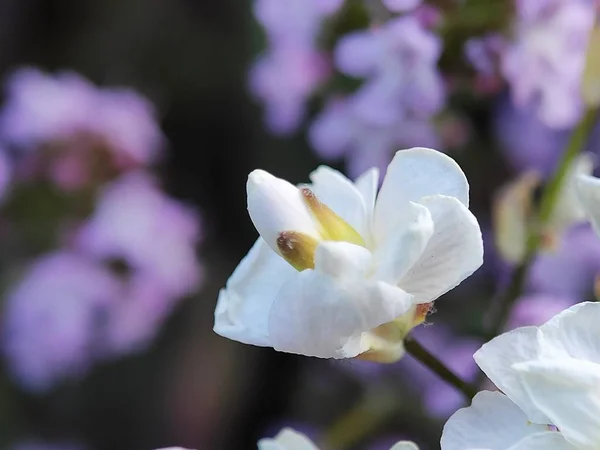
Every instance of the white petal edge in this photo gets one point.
(497, 357)
(275, 205)
(567, 390)
(242, 311)
(404, 445)
(453, 253)
(413, 174)
(491, 422)
(588, 191)
(287, 439)
(574, 332)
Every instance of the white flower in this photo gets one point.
(340, 271)
(588, 190)
(550, 376)
(288, 439)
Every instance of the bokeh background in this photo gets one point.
(111, 346)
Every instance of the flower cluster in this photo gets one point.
(126, 251)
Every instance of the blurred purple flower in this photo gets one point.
(399, 63)
(154, 236)
(401, 92)
(536, 309)
(569, 270)
(544, 63)
(67, 114)
(483, 53)
(284, 77)
(54, 319)
(525, 141)
(341, 131)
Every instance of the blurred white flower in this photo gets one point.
(288, 439)
(514, 216)
(588, 190)
(339, 270)
(550, 377)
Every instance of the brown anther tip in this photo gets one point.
(307, 193)
(284, 242)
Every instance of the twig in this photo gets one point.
(439, 368)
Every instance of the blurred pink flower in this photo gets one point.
(54, 319)
(292, 67)
(283, 79)
(69, 117)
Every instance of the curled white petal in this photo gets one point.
(412, 175)
(276, 206)
(453, 253)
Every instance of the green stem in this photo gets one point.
(439, 368)
(501, 311)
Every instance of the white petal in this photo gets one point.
(491, 422)
(567, 391)
(588, 190)
(452, 254)
(395, 256)
(242, 311)
(568, 210)
(287, 439)
(316, 314)
(404, 445)
(340, 194)
(339, 259)
(497, 357)
(412, 175)
(367, 185)
(574, 332)
(275, 206)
